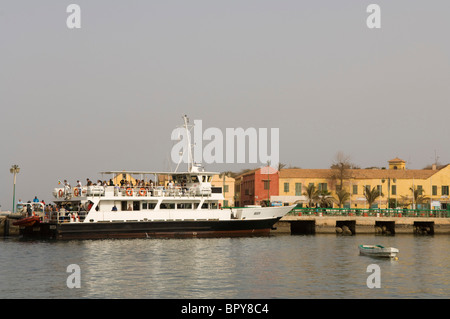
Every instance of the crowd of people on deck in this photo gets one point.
(37, 205)
(123, 184)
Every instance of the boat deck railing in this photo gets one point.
(63, 216)
(374, 212)
(71, 216)
(137, 191)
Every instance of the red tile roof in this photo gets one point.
(358, 173)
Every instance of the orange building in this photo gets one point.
(256, 186)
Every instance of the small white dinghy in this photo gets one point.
(378, 251)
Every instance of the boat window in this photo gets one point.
(194, 179)
(184, 205)
(136, 205)
(213, 205)
(205, 206)
(167, 206)
(196, 205)
(203, 178)
(144, 205)
(151, 205)
(209, 178)
(123, 205)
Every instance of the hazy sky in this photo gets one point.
(75, 102)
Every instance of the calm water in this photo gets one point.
(280, 266)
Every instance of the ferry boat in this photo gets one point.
(187, 206)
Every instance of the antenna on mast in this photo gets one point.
(188, 127)
(436, 158)
(190, 158)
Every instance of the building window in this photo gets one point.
(225, 203)
(419, 189)
(379, 189)
(225, 188)
(355, 189)
(394, 190)
(434, 190)
(298, 189)
(323, 187)
(266, 185)
(445, 190)
(286, 187)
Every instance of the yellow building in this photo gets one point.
(227, 183)
(396, 185)
(123, 177)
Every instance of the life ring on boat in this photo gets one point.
(60, 193)
(142, 192)
(76, 192)
(129, 191)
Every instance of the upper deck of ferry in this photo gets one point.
(174, 185)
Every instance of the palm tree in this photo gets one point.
(418, 196)
(312, 194)
(281, 166)
(403, 201)
(371, 195)
(325, 198)
(342, 197)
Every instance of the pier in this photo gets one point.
(378, 222)
(7, 228)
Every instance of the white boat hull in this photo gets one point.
(378, 251)
(242, 222)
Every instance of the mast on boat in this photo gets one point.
(189, 146)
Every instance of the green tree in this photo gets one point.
(325, 198)
(312, 194)
(371, 195)
(418, 196)
(342, 197)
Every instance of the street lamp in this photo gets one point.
(268, 183)
(14, 170)
(389, 190)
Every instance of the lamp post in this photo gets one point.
(14, 170)
(268, 183)
(394, 180)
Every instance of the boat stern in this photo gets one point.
(258, 212)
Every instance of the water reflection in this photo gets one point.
(281, 266)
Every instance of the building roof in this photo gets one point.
(396, 160)
(247, 172)
(358, 173)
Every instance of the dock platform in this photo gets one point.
(353, 225)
